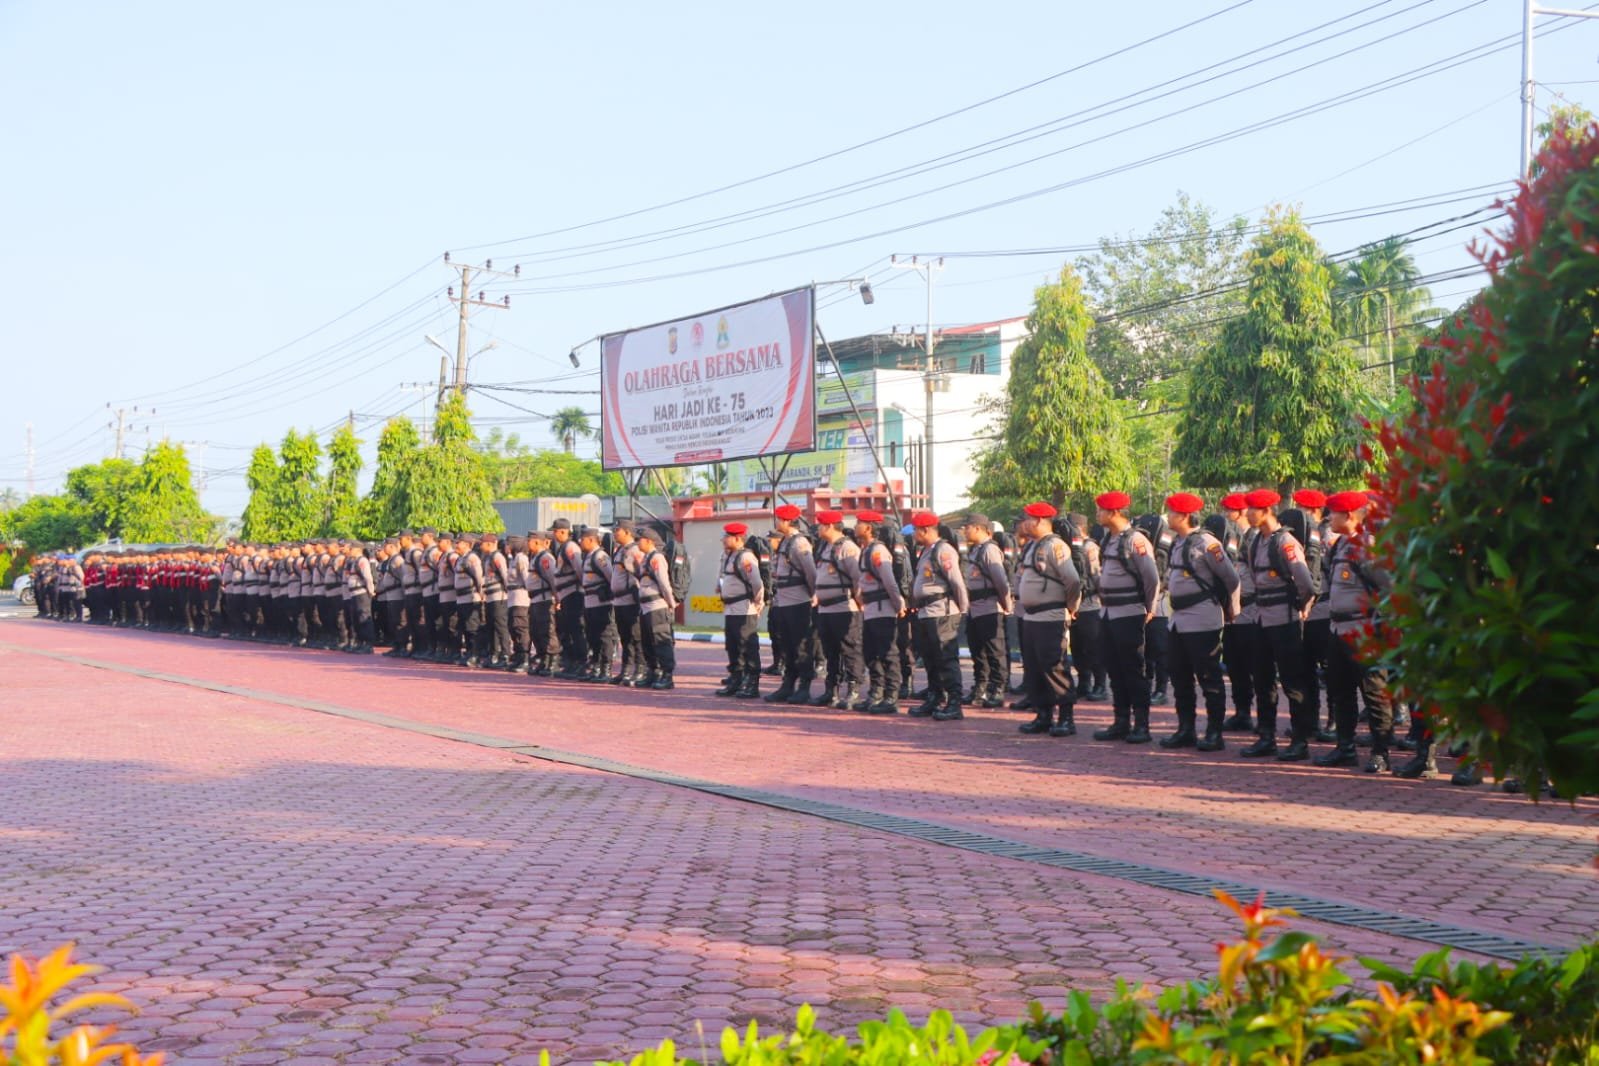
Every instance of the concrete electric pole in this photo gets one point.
(465, 301)
(930, 374)
(1529, 12)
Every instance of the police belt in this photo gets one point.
(728, 601)
(929, 600)
(1351, 616)
(1274, 598)
(981, 594)
(1189, 599)
(1120, 599)
(832, 601)
(601, 592)
(788, 581)
(874, 597)
(1248, 599)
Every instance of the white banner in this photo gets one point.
(734, 383)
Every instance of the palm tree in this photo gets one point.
(568, 425)
(1378, 295)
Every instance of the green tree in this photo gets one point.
(446, 485)
(1379, 304)
(384, 509)
(1159, 298)
(555, 473)
(162, 506)
(260, 521)
(569, 425)
(101, 491)
(341, 506)
(47, 524)
(1276, 399)
(297, 494)
(1062, 437)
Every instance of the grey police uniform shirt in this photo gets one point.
(655, 584)
(738, 583)
(569, 578)
(1321, 611)
(388, 581)
(624, 575)
(1274, 591)
(794, 572)
(1248, 613)
(469, 578)
(879, 588)
(1049, 588)
(596, 579)
(516, 595)
(1355, 581)
(496, 577)
(939, 590)
(838, 571)
(446, 563)
(987, 585)
(1123, 594)
(1199, 571)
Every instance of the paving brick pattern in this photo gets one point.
(270, 884)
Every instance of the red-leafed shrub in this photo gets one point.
(1488, 508)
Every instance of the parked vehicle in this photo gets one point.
(23, 587)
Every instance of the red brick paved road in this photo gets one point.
(271, 883)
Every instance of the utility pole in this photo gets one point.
(465, 302)
(122, 426)
(1529, 11)
(929, 375)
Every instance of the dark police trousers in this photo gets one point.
(1124, 659)
(1238, 649)
(985, 635)
(1346, 673)
(1280, 656)
(517, 620)
(541, 626)
(1197, 656)
(629, 636)
(1088, 654)
(1318, 632)
(799, 642)
(840, 636)
(660, 653)
(495, 640)
(940, 646)
(599, 631)
(743, 646)
(569, 621)
(1044, 671)
(879, 640)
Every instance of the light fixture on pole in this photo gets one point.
(863, 285)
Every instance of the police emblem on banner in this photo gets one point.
(671, 341)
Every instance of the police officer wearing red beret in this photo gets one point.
(1128, 585)
(1284, 591)
(1354, 584)
(743, 598)
(1048, 592)
(1204, 590)
(938, 592)
(794, 577)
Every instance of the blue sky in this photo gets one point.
(235, 214)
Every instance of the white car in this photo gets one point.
(23, 587)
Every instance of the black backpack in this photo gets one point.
(1161, 539)
(1298, 523)
(762, 551)
(895, 542)
(1232, 543)
(680, 566)
(1080, 561)
(1007, 548)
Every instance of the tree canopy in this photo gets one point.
(1276, 399)
(1062, 437)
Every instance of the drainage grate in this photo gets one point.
(912, 828)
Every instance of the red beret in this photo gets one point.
(735, 529)
(1184, 503)
(1234, 501)
(1039, 510)
(1113, 501)
(871, 518)
(788, 512)
(1311, 498)
(1347, 501)
(924, 520)
(829, 518)
(1262, 498)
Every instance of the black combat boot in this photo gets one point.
(749, 688)
(1298, 750)
(1023, 704)
(1239, 722)
(731, 686)
(841, 700)
(1066, 725)
(829, 690)
(1183, 738)
(649, 679)
(663, 682)
(1423, 765)
(1212, 740)
(926, 708)
(1040, 725)
(802, 694)
(1157, 698)
(949, 711)
(782, 692)
(1265, 744)
(1468, 775)
(866, 698)
(1342, 755)
(1117, 730)
(1378, 763)
(1139, 734)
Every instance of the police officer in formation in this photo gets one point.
(1243, 598)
